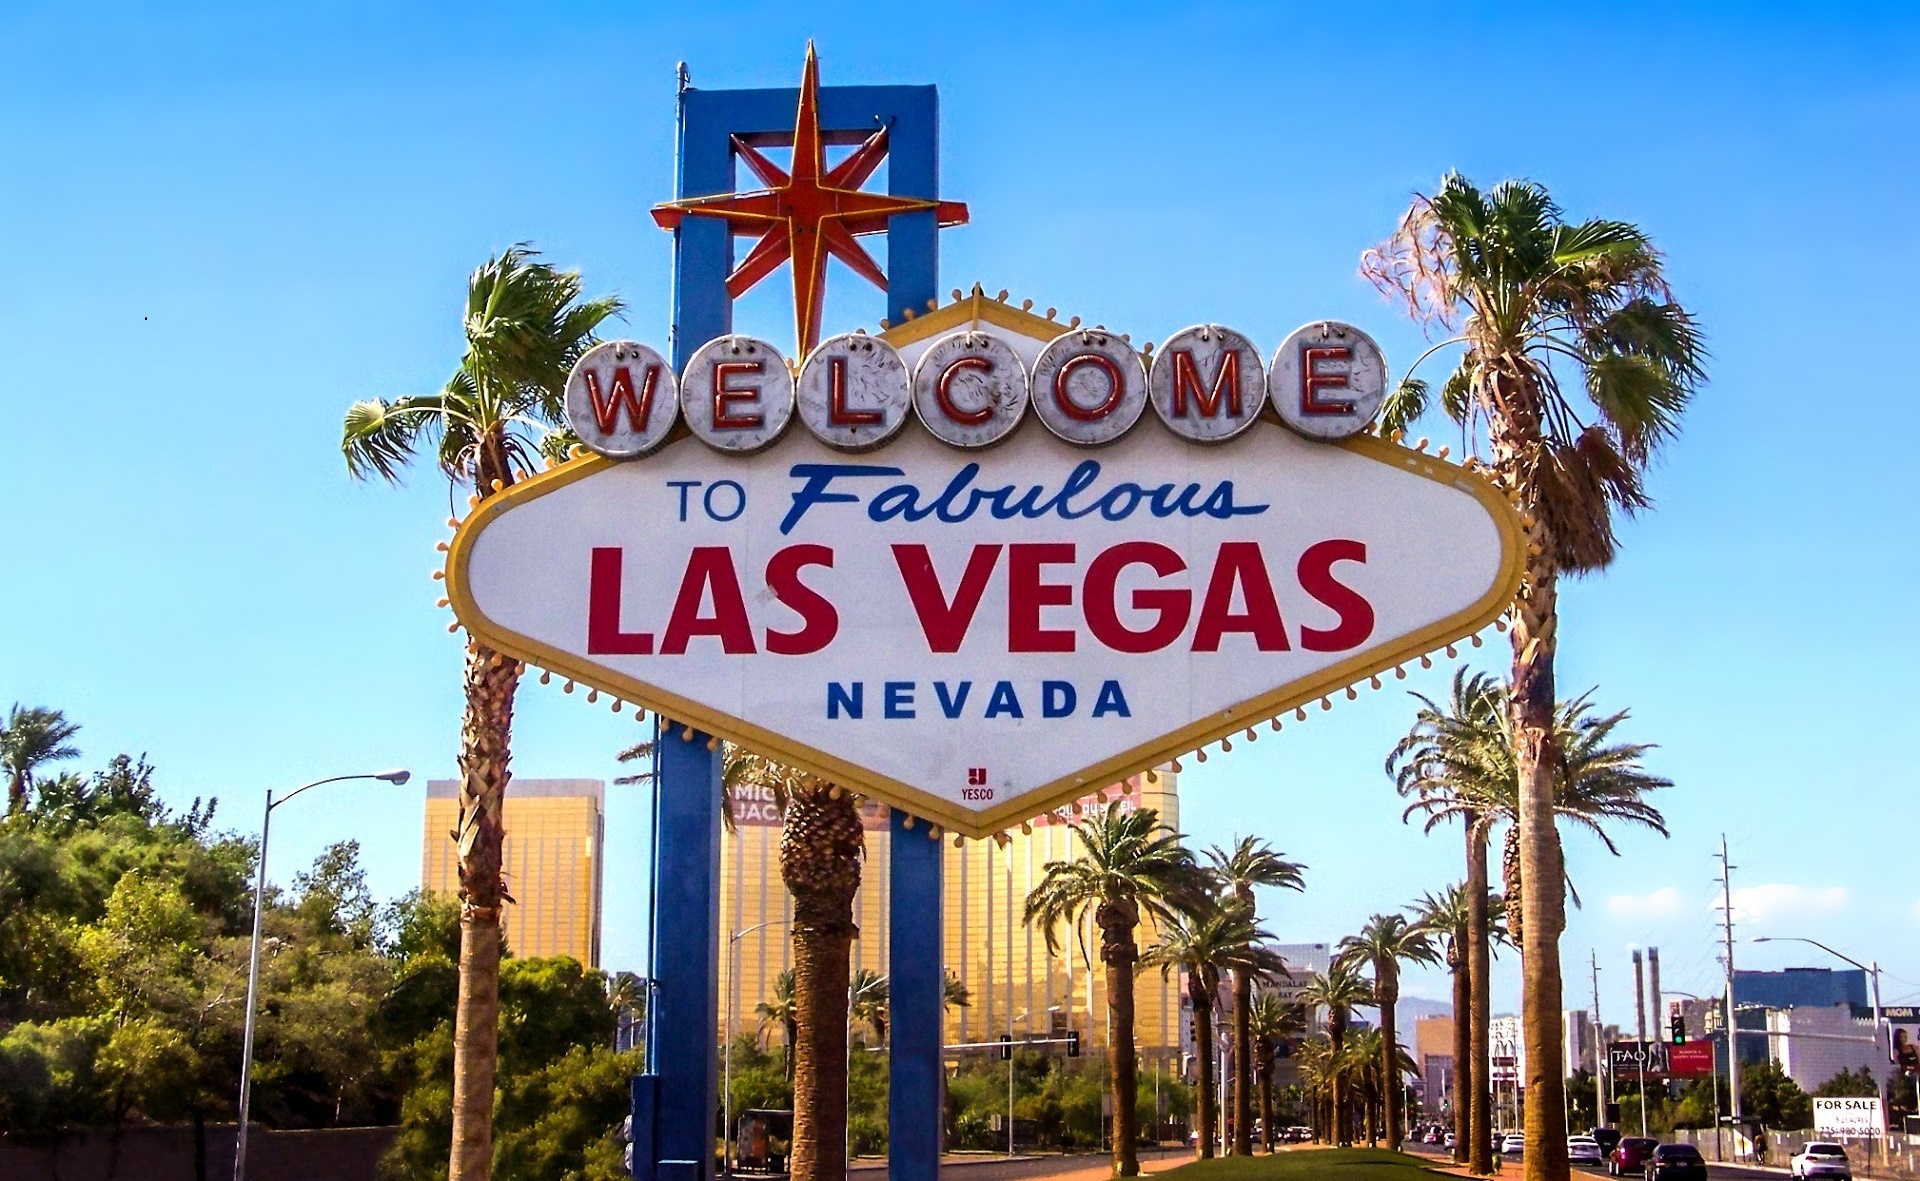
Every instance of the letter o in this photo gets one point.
(1089, 386)
(739, 499)
(970, 389)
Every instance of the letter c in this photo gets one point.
(944, 393)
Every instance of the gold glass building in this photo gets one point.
(551, 859)
(1012, 978)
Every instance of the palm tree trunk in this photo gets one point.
(1463, 1072)
(1388, 973)
(1203, 1053)
(1480, 1048)
(1265, 1076)
(1342, 1119)
(1242, 1064)
(1541, 875)
(820, 862)
(1118, 956)
(485, 756)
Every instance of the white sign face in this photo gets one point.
(1847, 1117)
(977, 636)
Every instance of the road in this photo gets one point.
(1511, 1165)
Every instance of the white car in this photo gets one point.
(1448, 1140)
(1515, 1144)
(1821, 1158)
(1583, 1150)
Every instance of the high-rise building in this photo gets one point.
(1013, 980)
(1433, 1052)
(551, 860)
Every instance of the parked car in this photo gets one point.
(1630, 1156)
(1584, 1150)
(1609, 1139)
(1432, 1136)
(1821, 1158)
(1448, 1141)
(1676, 1162)
(1514, 1144)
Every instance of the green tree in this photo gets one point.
(1132, 866)
(1386, 940)
(1250, 863)
(525, 325)
(1849, 1084)
(1769, 1094)
(1273, 1024)
(33, 737)
(1339, 990)
(780, 1009)
(1205, 939)
(1447, 914)
(1545, 306)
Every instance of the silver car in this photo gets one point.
(1822, 1158)
(1583, 1150)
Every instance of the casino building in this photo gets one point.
(1014, 982)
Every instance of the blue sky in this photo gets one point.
(228, 222)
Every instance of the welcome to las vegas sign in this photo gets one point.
(980, 564)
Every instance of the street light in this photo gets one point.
(395, 777)
(1873, 970)
(733, 1008)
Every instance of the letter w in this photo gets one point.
(1186, 380)
(944, 622)
(606, 410)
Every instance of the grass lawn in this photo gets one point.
(1313, 1164)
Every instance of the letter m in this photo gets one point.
(1186, 381)
(606, 407)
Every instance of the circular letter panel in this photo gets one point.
(970, 389)
(622, 399)
(737, 394)
(1207, 383)
(1089, 386)
(1329, 379)
(854, 392)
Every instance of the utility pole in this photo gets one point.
(1601, 1062)
(1733, 1035)
(1653, 995)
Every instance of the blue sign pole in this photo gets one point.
(674, 1105)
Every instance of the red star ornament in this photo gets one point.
(808, 214)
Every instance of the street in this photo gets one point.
(1512, 1165)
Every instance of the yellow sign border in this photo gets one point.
(1048, 796)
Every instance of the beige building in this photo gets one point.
(551, 860)
(1006, 967)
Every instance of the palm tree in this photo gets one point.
(1272, 1022)
(869, 992)
(33, 737)
(954, 993)
(525, 326)
(1366, 1052)
(1534, 298)
(1252, 862)
(1205, 939)
(1339, 990)
(1132, 866)
(1446, 914)
(1316, 1073)
(781, 1010)
(1383, 943)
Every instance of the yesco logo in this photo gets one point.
(1040, 589)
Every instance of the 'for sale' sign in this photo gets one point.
(1847, 1117)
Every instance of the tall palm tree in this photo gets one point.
(780, 1010)
(1445, 914)
(1132, 866)
(954, 993)
(1204, 940)
(1339, 990)
(525, 325)
(869, 991)
(1272, 1022)
(33, 737)
(1544, 306)
(1367, 1057)
(1382, 944)
(1448, 764)
(1251, 862)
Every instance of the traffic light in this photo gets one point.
(1073, 1043)
(1006, 1047)
(1677, 1026)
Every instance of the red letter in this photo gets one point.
(1312, 381)
(1026, 595)
(945, 624)
(1186, 377)
(709, 566)
(604, 637)
(1316, 578)
(820, 622)
(724, 419)
(837, 412)
(1240, 562)
(942, 392)
(1103, 614)
(606, 412)
(1116, 385)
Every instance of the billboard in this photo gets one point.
(1690, 1060)
(1630, 1058)
(998, 611)
(1848, 1117)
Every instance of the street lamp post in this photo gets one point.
(733, 1007)
(253, 956)
(1872, 969)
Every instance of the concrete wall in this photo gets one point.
(168, 1154)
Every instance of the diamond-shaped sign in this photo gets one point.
(977, 636)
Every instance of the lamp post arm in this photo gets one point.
(253, 989)
(273, 803)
